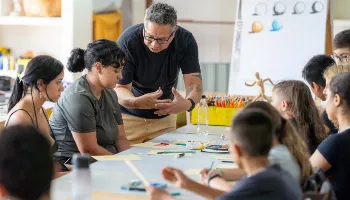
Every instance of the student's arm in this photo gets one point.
(219, 183)
(233, 174)
(158, 194)
(79, 112)
(204, 191)
(327, 153)
(179, 179)
(317, 160)
(122, 143)
(87, 143)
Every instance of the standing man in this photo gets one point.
(157, 50)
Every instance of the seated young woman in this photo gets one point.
(332, 155)
(294, 101)
(40, 82)
(288, 150)
(87, 117)
(328, 74)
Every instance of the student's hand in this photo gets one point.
(178, 105)
(176, 177)
(158, 194)
(149, 100)
(205, 174)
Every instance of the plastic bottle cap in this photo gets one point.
(81, 161)
(203, 96)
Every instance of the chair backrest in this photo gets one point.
(314, 196)
(318, 187)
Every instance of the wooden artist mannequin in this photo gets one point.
(260, 82)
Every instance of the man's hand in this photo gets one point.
(158, 194)
(149, 100)
(176, 177)
(178, 105)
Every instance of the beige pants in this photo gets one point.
(140, 130)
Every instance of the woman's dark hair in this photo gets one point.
(302, 107)
(104, 51)
(45, 68)
(288, 136)
(340, 85)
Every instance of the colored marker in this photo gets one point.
(175, 193)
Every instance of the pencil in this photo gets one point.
(137, 173)
(211, 166)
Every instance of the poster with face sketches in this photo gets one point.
(275, 38)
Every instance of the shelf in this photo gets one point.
(31, 21)
(342, 22)
(9, 73)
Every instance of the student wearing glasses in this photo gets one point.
(341, 47)
(157, 50)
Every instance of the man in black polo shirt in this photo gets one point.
(157, 50)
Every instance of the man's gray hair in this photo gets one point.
(162, 14)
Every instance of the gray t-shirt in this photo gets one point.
(280, 155)
(78, 110)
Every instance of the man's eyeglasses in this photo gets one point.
(160, 41)
(342, 59)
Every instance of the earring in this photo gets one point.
(41, 96)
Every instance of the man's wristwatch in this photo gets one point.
(192, 106)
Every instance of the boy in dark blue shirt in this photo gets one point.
(250, 142)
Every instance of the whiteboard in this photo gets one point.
(293, 31)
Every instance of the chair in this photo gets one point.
(318, 187)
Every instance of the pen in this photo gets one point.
(227, 161)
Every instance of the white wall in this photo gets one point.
(341, 9)
(138, 11)
(215, 41)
